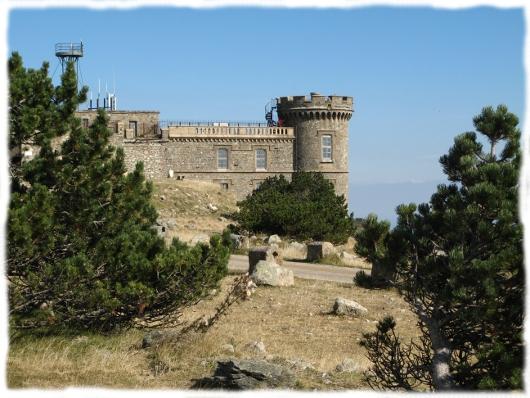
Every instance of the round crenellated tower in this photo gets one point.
(321, 130)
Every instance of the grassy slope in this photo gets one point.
(186, 202)
(292, 323)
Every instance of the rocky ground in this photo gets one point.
(292, 327)
(191, 210)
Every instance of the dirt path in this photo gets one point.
(302, 270)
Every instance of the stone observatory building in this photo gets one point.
(311, 134)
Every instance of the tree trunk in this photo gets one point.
(441, 373)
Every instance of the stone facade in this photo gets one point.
(316, 119)
(239, 156)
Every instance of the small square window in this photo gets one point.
(224, 186)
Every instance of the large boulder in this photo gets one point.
(295, 251)
(236, 240)
(271, 274)
(348, 307)
(274, 239)
(328, 249)
(256, 254)
(348, 258)
(249, 374)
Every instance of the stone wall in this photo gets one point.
(196, 158)
(121, 123)
(191, 151)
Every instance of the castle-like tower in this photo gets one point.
(321, 131)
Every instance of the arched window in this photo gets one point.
(222, 159)
(261, 159)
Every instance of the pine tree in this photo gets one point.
(82, 250)
(460, 264)
(306, 208)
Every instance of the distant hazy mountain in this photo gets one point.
(383, 198)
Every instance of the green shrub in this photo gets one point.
(305, 208)
(362, 279)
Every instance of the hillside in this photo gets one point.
(293, 324)
(188, 208)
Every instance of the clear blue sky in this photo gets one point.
(417, 75)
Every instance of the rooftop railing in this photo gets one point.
(194, 123)
(69, 49)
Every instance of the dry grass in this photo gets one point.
(186, 202)
(292, 323)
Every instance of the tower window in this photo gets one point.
(261, 159)
(327, 145)
(222, 159)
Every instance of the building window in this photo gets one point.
(327, 153)
(222, 159)
(133, 125)
(261, 159)
(224, 186)
(85, 123)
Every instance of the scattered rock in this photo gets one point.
(222, 219)
(271, 274)
(348, 258)
(274, 239)
(229, 348)
(236, 240)
(171, 223)
(247, 375)
(347, 365)
(328, 249)
(317, 250)
(350, 244)
(277, 253)
(257, 347)
(300, 364)
(151, 338)
(348, 307)
(295, 250)
(212, 207)
(256, 254)
(200, 238)
(245, 243)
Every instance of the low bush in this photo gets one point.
(305, 208)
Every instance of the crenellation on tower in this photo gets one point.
(321, 134)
